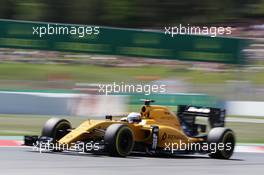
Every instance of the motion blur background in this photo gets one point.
(139, 14)
(37, 83)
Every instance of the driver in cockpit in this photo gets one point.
(132, 117)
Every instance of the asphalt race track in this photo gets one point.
(25, 161)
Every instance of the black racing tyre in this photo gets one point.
(56, 128)
(226, 138)
(119, 140)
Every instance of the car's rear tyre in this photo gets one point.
(56, 128)
(226, 138)
(119, 140)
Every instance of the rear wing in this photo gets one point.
(187, 115)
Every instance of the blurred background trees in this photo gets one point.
(136, 13)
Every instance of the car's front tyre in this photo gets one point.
(119, 140)
(56, 128)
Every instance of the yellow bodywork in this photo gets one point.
(170, 130)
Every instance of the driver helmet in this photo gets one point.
(133, 116)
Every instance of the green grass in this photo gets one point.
(248, 132)
(251, 117)
(94, 73)
(82, 73)
(19, 125)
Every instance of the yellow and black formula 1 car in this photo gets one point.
(154, 130)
